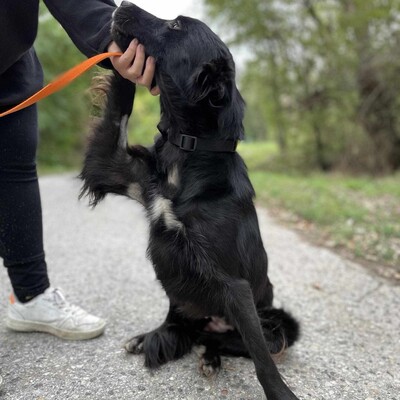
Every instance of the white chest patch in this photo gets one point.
(162, 208)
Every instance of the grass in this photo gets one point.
(258, 154)
(357, 215)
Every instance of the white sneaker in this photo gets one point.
(50, 312)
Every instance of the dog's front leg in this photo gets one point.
(242, 313)
(170, 341)
(110, 165)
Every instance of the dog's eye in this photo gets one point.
(176, 25)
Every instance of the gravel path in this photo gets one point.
(349, 349)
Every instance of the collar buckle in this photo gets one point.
(188, 143)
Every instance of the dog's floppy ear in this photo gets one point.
(230, 118)
(212, 81)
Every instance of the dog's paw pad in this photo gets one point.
(134, 345)
(209, 368)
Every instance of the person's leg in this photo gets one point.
(21, 237)
(37, 307)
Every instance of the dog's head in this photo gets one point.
(195, 69)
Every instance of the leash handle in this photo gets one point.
(61, 81)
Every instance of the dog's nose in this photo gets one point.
(125, 4)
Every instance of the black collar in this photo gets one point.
(192, 143)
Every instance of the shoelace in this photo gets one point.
(59, 301)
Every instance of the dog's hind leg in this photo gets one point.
(171, 341)
(242, 313)
(111, 166)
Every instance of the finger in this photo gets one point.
(155, 91)
(125, 61)
(113, 47)
(148, 74)
(136, 70)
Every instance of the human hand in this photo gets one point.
(130, 65)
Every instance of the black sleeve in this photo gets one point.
(18, 27)
(87, 22)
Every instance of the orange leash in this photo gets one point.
(60, 82)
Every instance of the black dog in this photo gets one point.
(205, 242)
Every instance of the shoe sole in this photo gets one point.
(29, 326)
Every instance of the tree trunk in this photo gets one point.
(378, 110)
(378, 114)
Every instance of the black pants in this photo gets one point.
(21, 234)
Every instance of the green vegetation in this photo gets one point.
(323, 89)
(323, 81)
(64, 117)
(360, 215)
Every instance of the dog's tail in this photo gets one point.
(111, 166)
(280, 329)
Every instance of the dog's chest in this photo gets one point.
(173, 177)
(162, 208)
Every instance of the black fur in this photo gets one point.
(205, 242)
